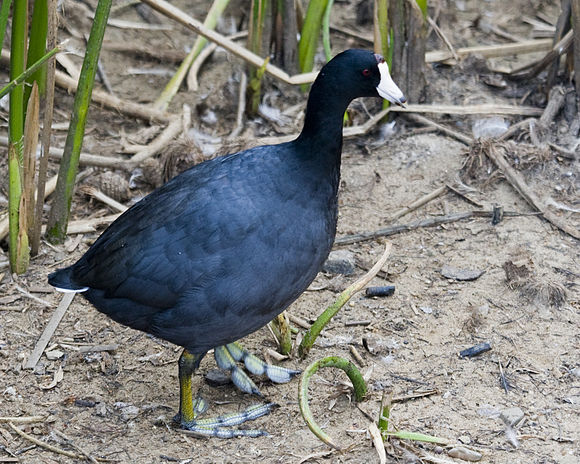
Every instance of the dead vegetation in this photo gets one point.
(426, 180)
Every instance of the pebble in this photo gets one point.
(453, 273)
(482, 311)
(465, 439)
(54, 355)
(101, 409)
(128, 411)
(218, 377)
(475, 350)
(340, 262)
(459, 452)
(512, 416)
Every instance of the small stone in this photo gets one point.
(459, 452)
(340, 262)
(426, 309)
(128, 411)
(487, 410)
(475, 350)
(85, 403)
(465, 439)
(218, 377)
(40, 368)
(101, 409)
(453, 273)
(575, 372)
(54, 355)
(512, 416)
(482, 311)
(10, 393)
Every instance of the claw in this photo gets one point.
(225, 360)
(256, 366)
(218, 426)
(199, 406)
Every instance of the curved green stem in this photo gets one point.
(312, 333)
(360, 389)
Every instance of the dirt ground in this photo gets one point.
(119, 404)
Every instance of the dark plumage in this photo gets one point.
(224, 247)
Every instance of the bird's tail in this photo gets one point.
(62, 280)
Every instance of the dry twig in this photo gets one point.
(517, 181)
(418, 203)
(100, 196)
(48, 447)
(42, 342)
(429, 222)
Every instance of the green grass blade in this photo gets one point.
(29, 71)
(4, 14)
(310, 34)
(326, 31)
(18, 261)
(423, 7)
(37, 45)
(60, 210)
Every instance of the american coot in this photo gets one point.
(221, 249)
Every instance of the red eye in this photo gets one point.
(366, 72)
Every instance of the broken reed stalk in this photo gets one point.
(408, 29)
(576, 29)
(281, 329)
(259, 35)
(312, 334)
(562, 27)
(41, 186)
(31, 131)
(358, 383)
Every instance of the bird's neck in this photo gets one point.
(323, 121)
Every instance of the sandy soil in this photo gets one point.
(119, 404)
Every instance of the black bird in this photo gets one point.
(221, 249)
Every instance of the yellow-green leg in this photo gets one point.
(190, 408)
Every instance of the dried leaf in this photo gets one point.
(58, 376)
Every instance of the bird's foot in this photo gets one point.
(227, 356)
(221, 426)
